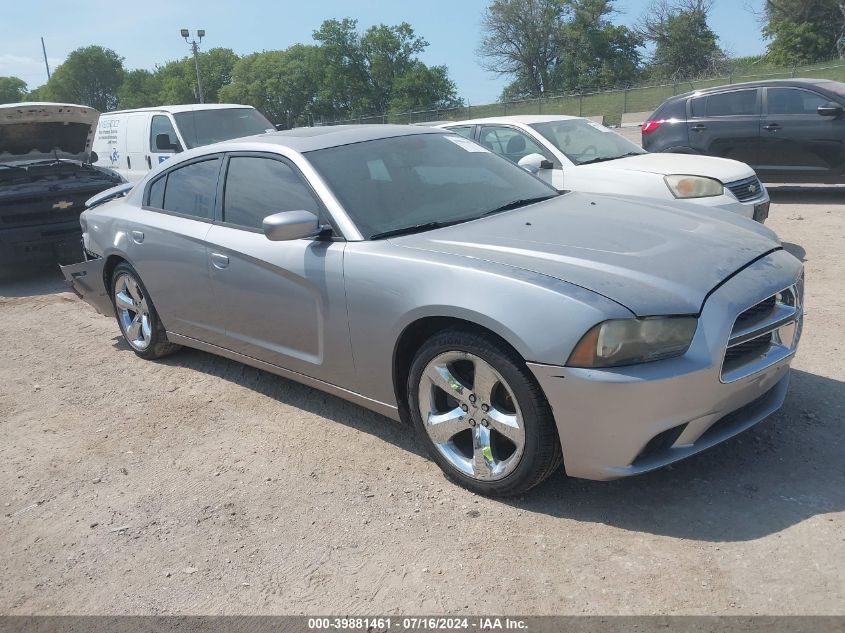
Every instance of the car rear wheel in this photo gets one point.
(137, 316)
(481, 414)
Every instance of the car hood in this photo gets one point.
(651, 257)
(723, 169)
(38, 131)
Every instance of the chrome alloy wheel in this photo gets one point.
(132, 311)
(471, 416)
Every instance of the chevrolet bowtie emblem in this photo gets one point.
(63, 204)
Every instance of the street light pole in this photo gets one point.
(195, 49)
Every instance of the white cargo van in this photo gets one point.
(134, 141)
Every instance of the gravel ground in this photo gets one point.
(196, 485)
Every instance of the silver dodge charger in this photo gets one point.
(419, 275)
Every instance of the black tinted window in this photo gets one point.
(736, 103)
(697, 107)
(190, 190)
(793, 101)
(156, 194)
(258, 187)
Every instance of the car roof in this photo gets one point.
(781, 83)
(175, 109)
(308, 139)
(517, 118)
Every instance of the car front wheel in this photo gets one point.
(481, 414)
(137, 315)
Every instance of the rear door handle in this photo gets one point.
(771, 127)
(149, 163)
(219, 260)
(698, 128)
(137, 236)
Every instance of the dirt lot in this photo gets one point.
(197, 485)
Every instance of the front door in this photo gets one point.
(280, 302)
(798, 143)
(161, 126)
(515, 145)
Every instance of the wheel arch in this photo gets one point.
(420, 330)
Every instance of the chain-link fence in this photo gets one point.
(611, 104)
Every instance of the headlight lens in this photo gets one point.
(694, 186)
(631, 341)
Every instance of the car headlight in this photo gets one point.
(631, 341)
(694, 186)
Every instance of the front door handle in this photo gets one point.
(137, 236)
(771, 127)
(698, 128)
(219, 260)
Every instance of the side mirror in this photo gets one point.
(93, 157)
(830, 109)
(533, 163)
(291, 225)
(164, 144)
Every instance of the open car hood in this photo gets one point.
(39, 131)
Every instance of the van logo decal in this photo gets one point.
(114, 156)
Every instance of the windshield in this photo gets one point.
(583, 141)
(204, 127)
(422, 181)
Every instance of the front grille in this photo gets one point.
(40, 217)
(755, 313)
(763, 334)
(746, 189)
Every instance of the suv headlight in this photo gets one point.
(694, 186)
(631, 341)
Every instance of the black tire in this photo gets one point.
(541, 454)
(158, 345)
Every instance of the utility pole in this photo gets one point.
(195, 49)
(44, 50)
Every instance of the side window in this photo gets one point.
(463, 130)
(162, 125)
(190, 190)
(510, 143)
(697, 106)
(258, 187)
(737, 103)
(155, 196)
(793, 101)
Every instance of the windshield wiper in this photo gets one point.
(415, 228)
(516, 204)
(602, 159)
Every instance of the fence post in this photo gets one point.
(505, 107)
(625, 101)
(580, 103)
(793, 71)
(539, 105)
(674, 86)
(410, 120)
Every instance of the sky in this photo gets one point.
(146, 33)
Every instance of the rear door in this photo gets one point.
(798, 143)
(280, 302)
(726, 124)
(167, 246)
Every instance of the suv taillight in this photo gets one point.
(651, 126)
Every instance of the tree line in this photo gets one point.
(344, 72)
(542, 47)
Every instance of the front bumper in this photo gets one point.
(36, 244)
(628, 420)
(757, 209)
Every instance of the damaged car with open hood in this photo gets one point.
(46, 176)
